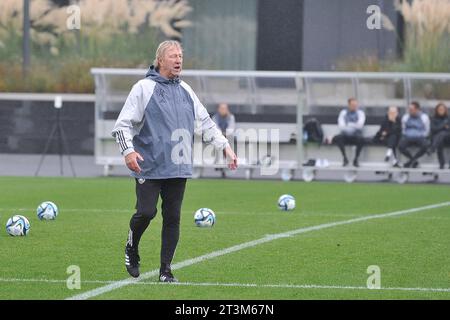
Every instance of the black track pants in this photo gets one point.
(341, 140)
(147, 194)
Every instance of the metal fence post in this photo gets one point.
(26, 39)
(300, 109)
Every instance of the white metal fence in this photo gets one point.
(292, 94)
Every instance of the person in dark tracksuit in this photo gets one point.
(440, 132)
(389, 134)
(415, 131)
(155, 133)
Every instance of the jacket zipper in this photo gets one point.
(175, 91)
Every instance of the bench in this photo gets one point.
(371, 160)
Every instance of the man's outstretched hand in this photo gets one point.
(131, 160)
(231, 158)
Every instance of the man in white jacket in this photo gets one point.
(155, 133)
(351, 123)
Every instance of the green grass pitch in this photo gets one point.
(412, 250)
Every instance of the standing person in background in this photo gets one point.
(351, 123)
(225, 121)
(415, 131)
(440, 132)
(389, 134)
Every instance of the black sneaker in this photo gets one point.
(415, 164)
(132, 260)
(345, 162)
(356, 163)
(165, 275)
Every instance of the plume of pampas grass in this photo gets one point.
(42, 16)
(170, 14)
(106, 17)
(10, 13)
(422, 16)
(427, 36)
(99, 18)
(387, 23)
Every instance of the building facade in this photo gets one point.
(309, 35)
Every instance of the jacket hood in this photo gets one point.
(154, 74)
(397, 118)
(417, 115)
(441, 117)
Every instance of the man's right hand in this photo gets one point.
(131, 160)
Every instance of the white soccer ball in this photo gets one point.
(286, 202)
(18, 226)
(204, 217)
(47, 210)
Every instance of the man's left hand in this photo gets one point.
(231, 157)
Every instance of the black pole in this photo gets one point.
(26, 38)
(60, 143)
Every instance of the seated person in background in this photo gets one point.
(415, 130)
(224, 120)
(440, 132)
(389, 134)
(351, 122)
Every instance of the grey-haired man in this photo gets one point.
(155, 132)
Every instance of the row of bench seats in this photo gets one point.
(371, 158)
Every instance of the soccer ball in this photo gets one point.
(47, 211)
(204, 217)
(286, 202)
(18, 226)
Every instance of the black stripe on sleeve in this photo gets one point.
(124, 141)
(121, 139)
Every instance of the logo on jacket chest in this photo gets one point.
(162, 95)
(178, 100)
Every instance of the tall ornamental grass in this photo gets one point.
(427, 35)
(114, 33)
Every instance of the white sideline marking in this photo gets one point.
(249, 244)
(240, 285)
